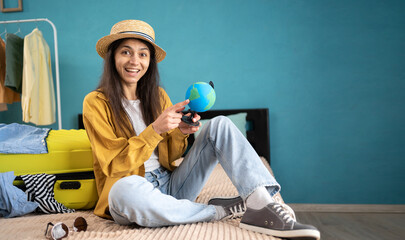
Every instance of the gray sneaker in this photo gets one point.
(234, 206)
(275, 220)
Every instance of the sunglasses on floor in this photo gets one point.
(60, 230)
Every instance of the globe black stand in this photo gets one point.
(189, 119)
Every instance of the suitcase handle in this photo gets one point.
(70, 185)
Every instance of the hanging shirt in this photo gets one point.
(38, 96)
(133, 108)
(14, 62)
(6, 94)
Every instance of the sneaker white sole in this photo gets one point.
(219, 197)
(303, 233)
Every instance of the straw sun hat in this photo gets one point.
(130, 29)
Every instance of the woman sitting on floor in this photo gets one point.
(136, 134)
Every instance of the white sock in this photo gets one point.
(259, 199)
(220, 212)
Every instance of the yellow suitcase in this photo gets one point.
(69, 158)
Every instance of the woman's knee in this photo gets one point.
(221, 124)
(220, 121)
(129, 200)
(127, 189)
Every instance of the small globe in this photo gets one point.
(202, 96)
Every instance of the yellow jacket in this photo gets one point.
(117, 155)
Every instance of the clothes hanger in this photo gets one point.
(36, 25)
(19, 29)
(5, 30)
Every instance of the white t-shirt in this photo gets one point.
(133, 109)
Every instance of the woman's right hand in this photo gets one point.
(170, 118)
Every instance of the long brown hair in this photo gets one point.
(147, 89)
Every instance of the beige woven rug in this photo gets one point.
(33, 226)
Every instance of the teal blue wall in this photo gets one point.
(332, 74)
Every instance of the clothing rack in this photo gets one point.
(55, 39)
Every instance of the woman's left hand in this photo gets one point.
(188, 129)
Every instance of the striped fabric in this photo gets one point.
(141, 34)
(40, 190)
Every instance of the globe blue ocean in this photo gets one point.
(202, 96)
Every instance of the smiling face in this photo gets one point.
(132, 59)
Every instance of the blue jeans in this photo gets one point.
(164, 198)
